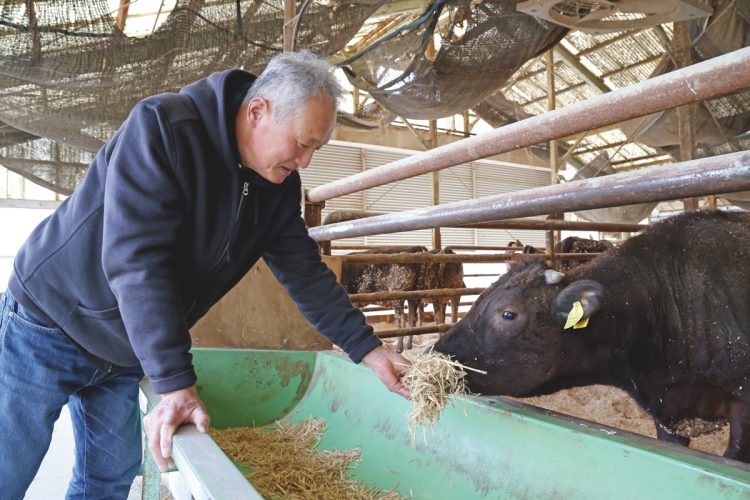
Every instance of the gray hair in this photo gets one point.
(290, 79)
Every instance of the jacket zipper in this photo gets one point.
(215, 267)
(245, 191)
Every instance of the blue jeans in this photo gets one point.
(40, 371)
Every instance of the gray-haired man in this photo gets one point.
(176, 207)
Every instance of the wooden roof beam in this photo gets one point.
(582, 71)
(122, 14)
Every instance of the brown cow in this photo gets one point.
(360, 277)
(444, 275)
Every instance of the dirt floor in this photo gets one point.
(602, 404)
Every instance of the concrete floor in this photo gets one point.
(51, 482)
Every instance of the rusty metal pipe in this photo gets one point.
(376, 309)
(454, 247)
(413, 294)
(418, 258)
(481, 247)
(556, 224)
(369, 247)
(418, 330)
(547, 224)
(718, 76)
(719, 174)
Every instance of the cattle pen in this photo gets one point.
(494, 448)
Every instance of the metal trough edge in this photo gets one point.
(209, 473)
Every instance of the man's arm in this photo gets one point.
(295, 261)
(144, 217)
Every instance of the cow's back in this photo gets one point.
(680, 295)
(362, 277)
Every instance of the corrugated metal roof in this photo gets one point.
(617, 60)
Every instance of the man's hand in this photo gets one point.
(174, 409)
(389, 366)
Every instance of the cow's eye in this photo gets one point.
(509, 315)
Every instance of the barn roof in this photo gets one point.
(71, 69)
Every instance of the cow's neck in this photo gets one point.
(603, 351)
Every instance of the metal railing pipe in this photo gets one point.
(423, 257)
(719, 174)
(712, 78)
(564, 225)
(417, 330)
(567, 225)
(413, 294)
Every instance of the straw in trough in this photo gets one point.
(283, 462)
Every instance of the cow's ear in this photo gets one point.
(586, 292)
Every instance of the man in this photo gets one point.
(176, 207)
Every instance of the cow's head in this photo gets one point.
(514, 330)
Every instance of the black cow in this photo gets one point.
(668, 321)
(574, 244)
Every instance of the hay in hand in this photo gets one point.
(284, 463)
(433, 379)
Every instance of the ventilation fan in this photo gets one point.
(607, 16)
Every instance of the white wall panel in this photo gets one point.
(331, 163)
(462, 182)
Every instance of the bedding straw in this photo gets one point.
(284, 463)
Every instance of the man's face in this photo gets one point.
(276, 149)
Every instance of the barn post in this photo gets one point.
(681, 47)
(313, 217)
(290, 13)
(437, 242)
(552, 236)
(122, 14)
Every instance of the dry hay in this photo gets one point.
(433, 380)
(284, 462)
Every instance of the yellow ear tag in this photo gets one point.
(574, 316)
(581, 324)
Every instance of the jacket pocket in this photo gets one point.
(102, 333)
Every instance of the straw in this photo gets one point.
(284, 462)
(434, 380)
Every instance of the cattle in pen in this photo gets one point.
(575, 244)
(362, 277)
(443, 275)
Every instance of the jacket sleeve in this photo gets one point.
(295, 261)
(143, 219)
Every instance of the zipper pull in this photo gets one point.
(245, 191)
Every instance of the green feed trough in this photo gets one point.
(481, 448)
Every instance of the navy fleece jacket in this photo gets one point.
(163, 225)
